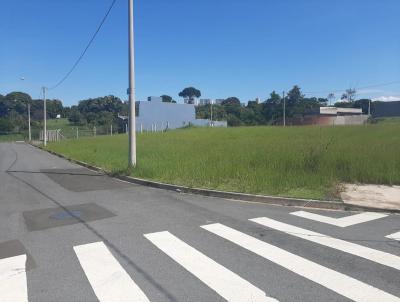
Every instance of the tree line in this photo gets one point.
(271, 111)
(105, 111)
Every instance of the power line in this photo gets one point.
(364, 87)
(86, 49)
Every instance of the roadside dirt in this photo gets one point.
(385, 197)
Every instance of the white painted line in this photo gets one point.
(395, 236)
(338, 244)
(335, 281)
(109, 280)
(226, 283)
(13, 286)
(341, 222)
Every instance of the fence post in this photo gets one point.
(111, 130)
(141, 128)
(94, 131)
(77, 132)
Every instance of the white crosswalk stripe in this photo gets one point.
(13, 285)
(338, 244)
(341, 222)
(395, 236)
(335, 281)
(109, 280)
(226, 283)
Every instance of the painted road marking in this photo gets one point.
(335, 281)
(338, 244)
(110, 282)
(13, 286)
(341, 222)
(395, 236)
(226, 283)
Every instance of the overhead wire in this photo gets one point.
(86, 48)
(358, 88)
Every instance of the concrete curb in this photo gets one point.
(272, 200)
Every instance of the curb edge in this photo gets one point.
(271, 200)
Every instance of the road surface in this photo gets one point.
(69, 234)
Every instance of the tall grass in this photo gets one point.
(307, 162)
(11, 137)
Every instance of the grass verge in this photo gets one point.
(305, 162)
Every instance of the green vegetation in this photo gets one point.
(11, 137)
(308, 162)
(102, 112)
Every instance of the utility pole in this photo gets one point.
(284, 109)
(131, 89)
(29, 122)
(212, 124)
(44, 118)
(369, 108)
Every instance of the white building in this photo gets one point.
(340, 111)
(154, 99)
(155, 115)
(203, 102)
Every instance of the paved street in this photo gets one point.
(69, 234)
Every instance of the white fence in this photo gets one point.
(52, 135)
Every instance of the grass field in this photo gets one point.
(308, 162)
(11, 137)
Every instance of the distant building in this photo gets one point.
(203, 102)
(331, 116)
(219, 101)
(386, 109)
(155, 115)
(154, 99)
(336, 111)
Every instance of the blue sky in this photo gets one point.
(243, 48)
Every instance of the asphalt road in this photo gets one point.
(69, 234)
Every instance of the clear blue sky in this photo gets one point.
(243, 48)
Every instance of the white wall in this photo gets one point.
(161, 114)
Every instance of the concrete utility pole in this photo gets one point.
(369, 108)
(212, 114)
(131, 90)
(29, 116)
(284, 110)
(44, 118)
(29, 122)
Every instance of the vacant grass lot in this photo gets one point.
(308, 162)
(11, 137)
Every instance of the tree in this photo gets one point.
(349, 95)
(75, 117)
(166, 99)
(232, 101)
(189, 94)
(331, 97)
(5, 125)
(294, 96)
(274, 98)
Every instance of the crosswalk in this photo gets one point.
(226, 283)
(395, 236)
(341, 222)
(338, 244)
(13, 285)
(107, 277)
(110, 282)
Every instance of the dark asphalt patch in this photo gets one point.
(60, 216)
(83, 180)
(15, 248)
